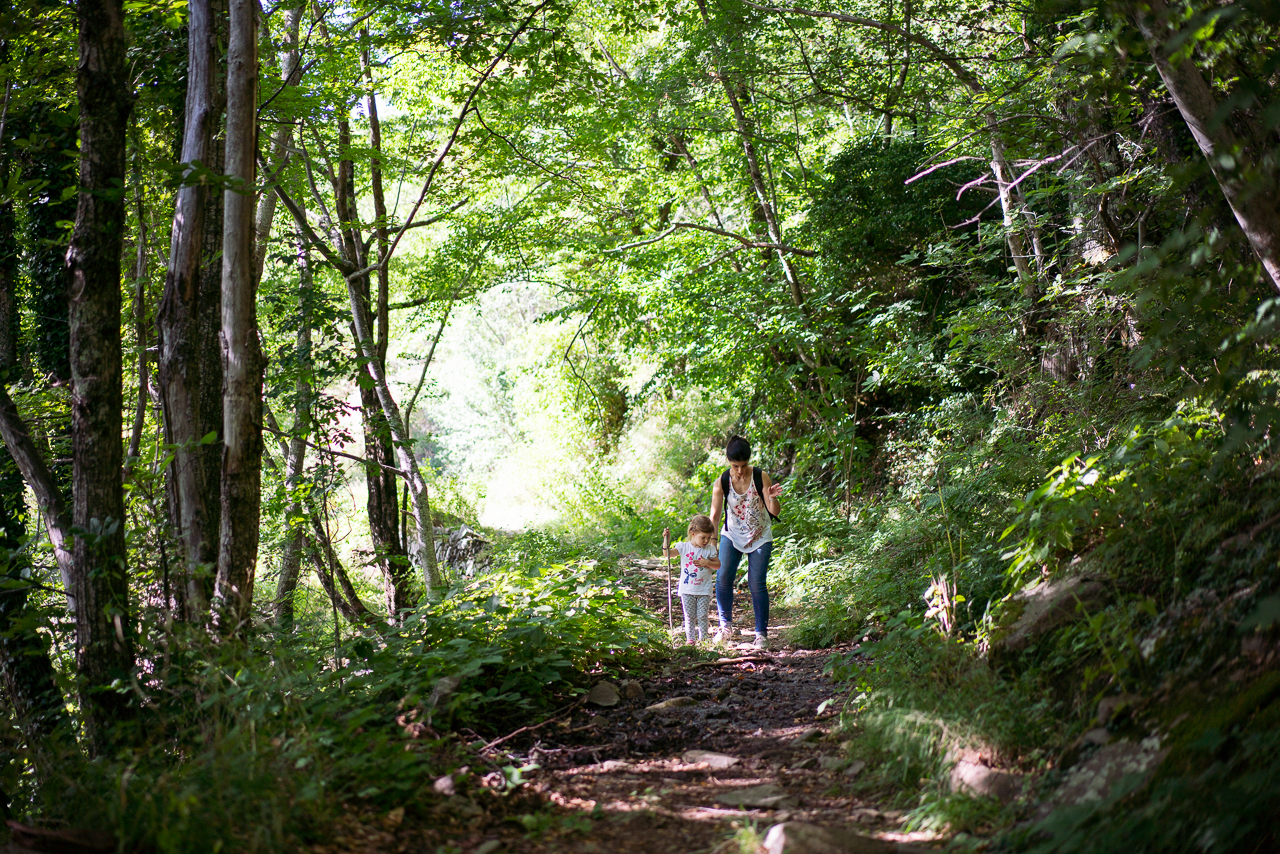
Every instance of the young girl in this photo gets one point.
(698, 565)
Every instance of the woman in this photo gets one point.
(749, 502)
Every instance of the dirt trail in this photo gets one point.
(624, 778)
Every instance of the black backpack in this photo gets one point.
(758, 478)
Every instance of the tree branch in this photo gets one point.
(304, 228)
(747, 242)
(422, 223)
(280, 433)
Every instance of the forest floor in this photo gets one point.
(625, 778)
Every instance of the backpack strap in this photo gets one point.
(724, 498)
(758, 477)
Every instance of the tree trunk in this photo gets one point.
(1008, 207)
(208, 324)
(242, 362)
(333, 577)
(381, 492)
(295, 451)
(35, 471)
(290, 73)
(381, 504)
(422, 546)
(422, 551)
(1254, 202)
(379, 208)
(178, 322)
(763, 203)
(895, 93)
(139, 312)
(103, 622)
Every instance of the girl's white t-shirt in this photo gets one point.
(695, 580)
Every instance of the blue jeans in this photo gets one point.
(757, 572)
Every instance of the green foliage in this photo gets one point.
(659, 225)
(1117, 493)
(530, 635)
(869, 216)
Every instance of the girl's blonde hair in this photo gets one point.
(699, 524)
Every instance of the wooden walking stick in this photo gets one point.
(666, 550)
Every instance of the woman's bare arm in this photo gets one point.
(771, 492)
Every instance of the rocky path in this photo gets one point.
(689, 758)
(703, 756)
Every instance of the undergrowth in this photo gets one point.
(924, 576)
(255, 749)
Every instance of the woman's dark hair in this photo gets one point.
(738, 450)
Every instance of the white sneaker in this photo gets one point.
(761, 641)
(724, 634)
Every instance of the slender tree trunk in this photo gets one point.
(242, 362)
(35, 471)
(1009, 208)
(895, 93)
(422, 377)
(208, 324)
(422, 544)
(764, 204)
(1249, 186)
(333, 577)
(422, 549)
(290, 73)
(379, 209)
(381, 492)
(181, 334)
(103, 621)
(139, 312)
(296, 449)
(383, 513)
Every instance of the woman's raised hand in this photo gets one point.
(774, 490)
